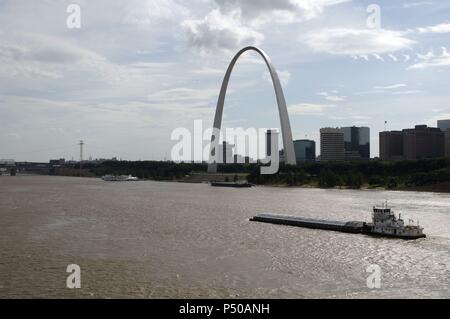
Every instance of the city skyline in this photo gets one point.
(351, 146)
(126, 79)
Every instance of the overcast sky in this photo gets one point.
(138, 69)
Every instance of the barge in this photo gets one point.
(346, 227)
(384, 224)
(231, 184)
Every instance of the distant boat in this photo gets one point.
(119, 178)
(231, 184)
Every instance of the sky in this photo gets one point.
(136, 70)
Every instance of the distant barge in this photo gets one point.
(231, 184)
(384, 224)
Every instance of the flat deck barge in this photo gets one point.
(346, 227)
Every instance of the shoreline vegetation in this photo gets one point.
(430, 175)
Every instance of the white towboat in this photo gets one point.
(385, 223)
(119, 178)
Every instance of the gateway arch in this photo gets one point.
(282, 110)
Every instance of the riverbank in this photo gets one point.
(199, 178)
(429, 175)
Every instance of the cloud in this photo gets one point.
(390, 87)
(439, 28)
(36, 47)
(183, 94)
(236, 23)
(407, 92)
(278, 11)
(332, 97)
(410, 5)
(430, 60)
(283, 75)
(310, 109)
(355, 42)
(378, 57)
(35, 59)
(350, 117)
(151, 11)
(218, 32)
(393, 57)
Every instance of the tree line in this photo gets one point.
(356, 174)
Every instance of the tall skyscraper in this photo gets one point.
(356, 142)
(391, 145)
(332, 146)
(305, 150)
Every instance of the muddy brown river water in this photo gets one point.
(161, 240)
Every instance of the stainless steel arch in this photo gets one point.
(282, 109)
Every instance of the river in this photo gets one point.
(175, 240)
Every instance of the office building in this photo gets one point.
(356, 142)
(423, 142)
(332, 146)
(447, 143)
(444, 125)
(391, 145)
(269, 135)
(225, 153)
(305, 150)
(410, 144)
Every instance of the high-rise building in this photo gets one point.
(356, 142)
(447, 143)
(332, 146)
(305, 150)
(444, 125)
(269, 135)
(391, 145)
(225, 153)
(423, 142)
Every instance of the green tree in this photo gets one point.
(327, 179)
(392, 183)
